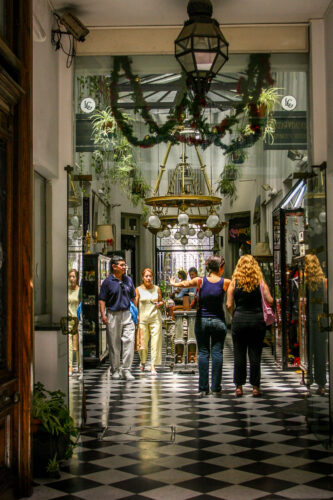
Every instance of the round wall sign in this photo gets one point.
(88, 105)
(288, 102)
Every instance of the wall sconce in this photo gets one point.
(105, 235)
(75, 29)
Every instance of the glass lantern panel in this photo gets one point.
(204, 60)
(186, 60)
(218, 63)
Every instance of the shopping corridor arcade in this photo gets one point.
(154, 438)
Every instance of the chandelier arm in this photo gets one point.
(203, 168)
(183, 168)
(162, 168)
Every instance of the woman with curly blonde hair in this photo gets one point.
(248, 326)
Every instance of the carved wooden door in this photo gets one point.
(15, 248)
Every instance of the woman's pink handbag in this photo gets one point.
(268, 312)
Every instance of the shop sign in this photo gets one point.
(288, 102)
(290, 132)
(88, 105)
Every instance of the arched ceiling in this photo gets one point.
(173, 12)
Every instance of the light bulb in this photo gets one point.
(191, 231)
(166, 232)
(208, 233)
(154, 221)
(200, 235)
(212, 220)
(177, 235)
(160, 234)
(183, 218)
(183, 229)
(184, 240)
(322, 217)
(75, 221)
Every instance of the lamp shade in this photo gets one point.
(104, 232)
(262, 249)
(200, 47)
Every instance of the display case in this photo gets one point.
(288, 225)
(96, 268)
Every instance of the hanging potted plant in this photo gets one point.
(227, 182)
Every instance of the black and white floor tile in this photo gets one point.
(153, 438)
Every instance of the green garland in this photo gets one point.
(249, 87)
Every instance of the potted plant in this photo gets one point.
(227, 181)
(54, 431)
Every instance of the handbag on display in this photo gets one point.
(268, 312)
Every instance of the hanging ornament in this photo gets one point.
(191, 231)
(184, 240)
(167, 232)
(200, 235)
(184, 229)
(208, 233)
(160, 234)
(177, 235)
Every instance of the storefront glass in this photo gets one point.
(253, 182)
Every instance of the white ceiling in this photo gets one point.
(173, 12)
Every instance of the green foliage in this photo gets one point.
(113, 159)
(49, 407)
(53, 464)
(227, 181)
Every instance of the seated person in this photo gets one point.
(186, 291)
(179, 298)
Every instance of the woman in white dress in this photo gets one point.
(149, 301)
(73, 304)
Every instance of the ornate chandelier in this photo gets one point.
(184, 207)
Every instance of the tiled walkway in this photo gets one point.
(154, 439)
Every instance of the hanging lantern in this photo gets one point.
(200, 47)
(154, 221)
(183, 218)
(212, 221)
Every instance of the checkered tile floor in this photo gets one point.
(153, 438)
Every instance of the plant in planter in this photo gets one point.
(54, 434)
(53, 468)
(113, 159)
(226, 184)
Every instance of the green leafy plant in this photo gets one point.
(227, 182)
(49, 408)
(53, 464)
(113, 158)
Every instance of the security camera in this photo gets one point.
(74, 26)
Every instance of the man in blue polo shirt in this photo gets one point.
(114, 303)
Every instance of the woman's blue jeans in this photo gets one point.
(210, 334)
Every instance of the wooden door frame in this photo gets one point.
(16, 65)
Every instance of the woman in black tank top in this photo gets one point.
(248, 326)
